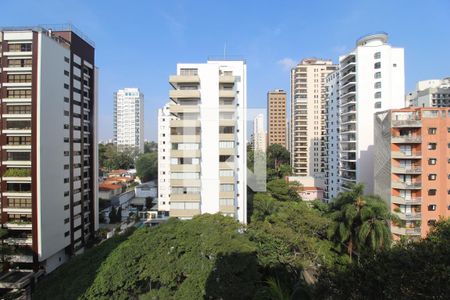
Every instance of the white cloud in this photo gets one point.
(287, 63)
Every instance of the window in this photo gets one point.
(19, 93)
(19, 78)
(377, 75)
(377, 95)
(431, 222)
(432, 207)
(226, 202)
(431, 146)
(377, 65)
(66, 234)
(66, 180)
(66, 220)
(432, 131)
(432, 192)
(18, 109)
(26, 47)
(377, 85)
(227, 187)
(432, 177)
(431, 161)
(66, 193)
(66, 207)
(19, 63)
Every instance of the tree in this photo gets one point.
(147, 166)
(282, 190)
(361, 222)
(416, 270)
(276, 156)
(150, 147)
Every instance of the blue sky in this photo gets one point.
(139, 43)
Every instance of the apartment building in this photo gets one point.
(276, 118)
(308, 116)
(371, 79)
(412, 166)
(129, 119)
(208, 140)
(259, 134)
(48, 145)
(164, 148)
(430, 93)
(331, 138)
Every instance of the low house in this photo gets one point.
(309, 188)
(108, 189)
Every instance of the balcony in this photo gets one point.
(411, 155)
(185, 153)
(185, 168)
(227, 180)
(184, 123)
(226, 136)
(185, 138)
(226, 165)
(227, 79)
(19, 241)
(406, 139)
(405, 231)
(227, 108)
(18, 225)
(184, 94)
(417, 185)
(409, 216)
(184, 108)
(185, 197)
(226, 195)
(176, 79)
(227, 151)
(183, 213)
(227, 122)
(185, 182)
(407, 123)
(406, 201)
(227, 93)
(406, 170)
(227, 209)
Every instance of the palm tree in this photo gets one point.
(361, 222)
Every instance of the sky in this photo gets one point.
(138, 43)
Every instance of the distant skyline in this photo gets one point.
(139, 45)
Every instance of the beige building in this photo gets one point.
(308, 116)
(276, 118)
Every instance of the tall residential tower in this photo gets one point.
(208, 140)
(129, 119)
(276, 118)
(371, 79)
(308, 117)
(259, 134)
(48, 145)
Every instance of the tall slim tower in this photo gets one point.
(164, 148)
(208, 140)
(259, 134)
(371, 79)
(48, 145)
(308, 117)
(276, 118)
(129, 119)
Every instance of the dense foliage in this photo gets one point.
(147, 166)
(111, 159)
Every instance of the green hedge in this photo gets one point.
(17, 173)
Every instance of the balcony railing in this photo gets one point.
(400, 154)
(405, 231)
(407, 170)
(406, 201)
(406, 139)
(407, 185)
(409, 216)
(407, 123)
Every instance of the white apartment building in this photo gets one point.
(208, 140)
(371, 79)
(430, 93)
(308, 118)
(259, 134)
(129, 119)
(164, 148)
(332, 181)
(48, 145)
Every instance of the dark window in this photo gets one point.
(432, 131)
(66, 233)
(66, 220)
(432, 176)
(431, 222)
(432, 161)
(66, 193)
(377, 65)
(432, 146)
(432, 207)
(432, 192)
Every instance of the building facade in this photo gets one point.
(259, 134)
(276, 118)
(412, 166)
(371, 79)
(129, 119)
(308, 117)
(430, 93)
(208, 140)
(164, 148)
(48, 145)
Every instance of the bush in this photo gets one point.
(17, 173)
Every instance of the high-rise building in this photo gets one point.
(412, 166)
(48, 145)
(307, 116)
(129, 119)
(259, 134)
(430, 93)
(371, 79)
(331, 139)
(208, 154)
(276, 118)
(164, 148)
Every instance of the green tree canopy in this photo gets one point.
(147, 166)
